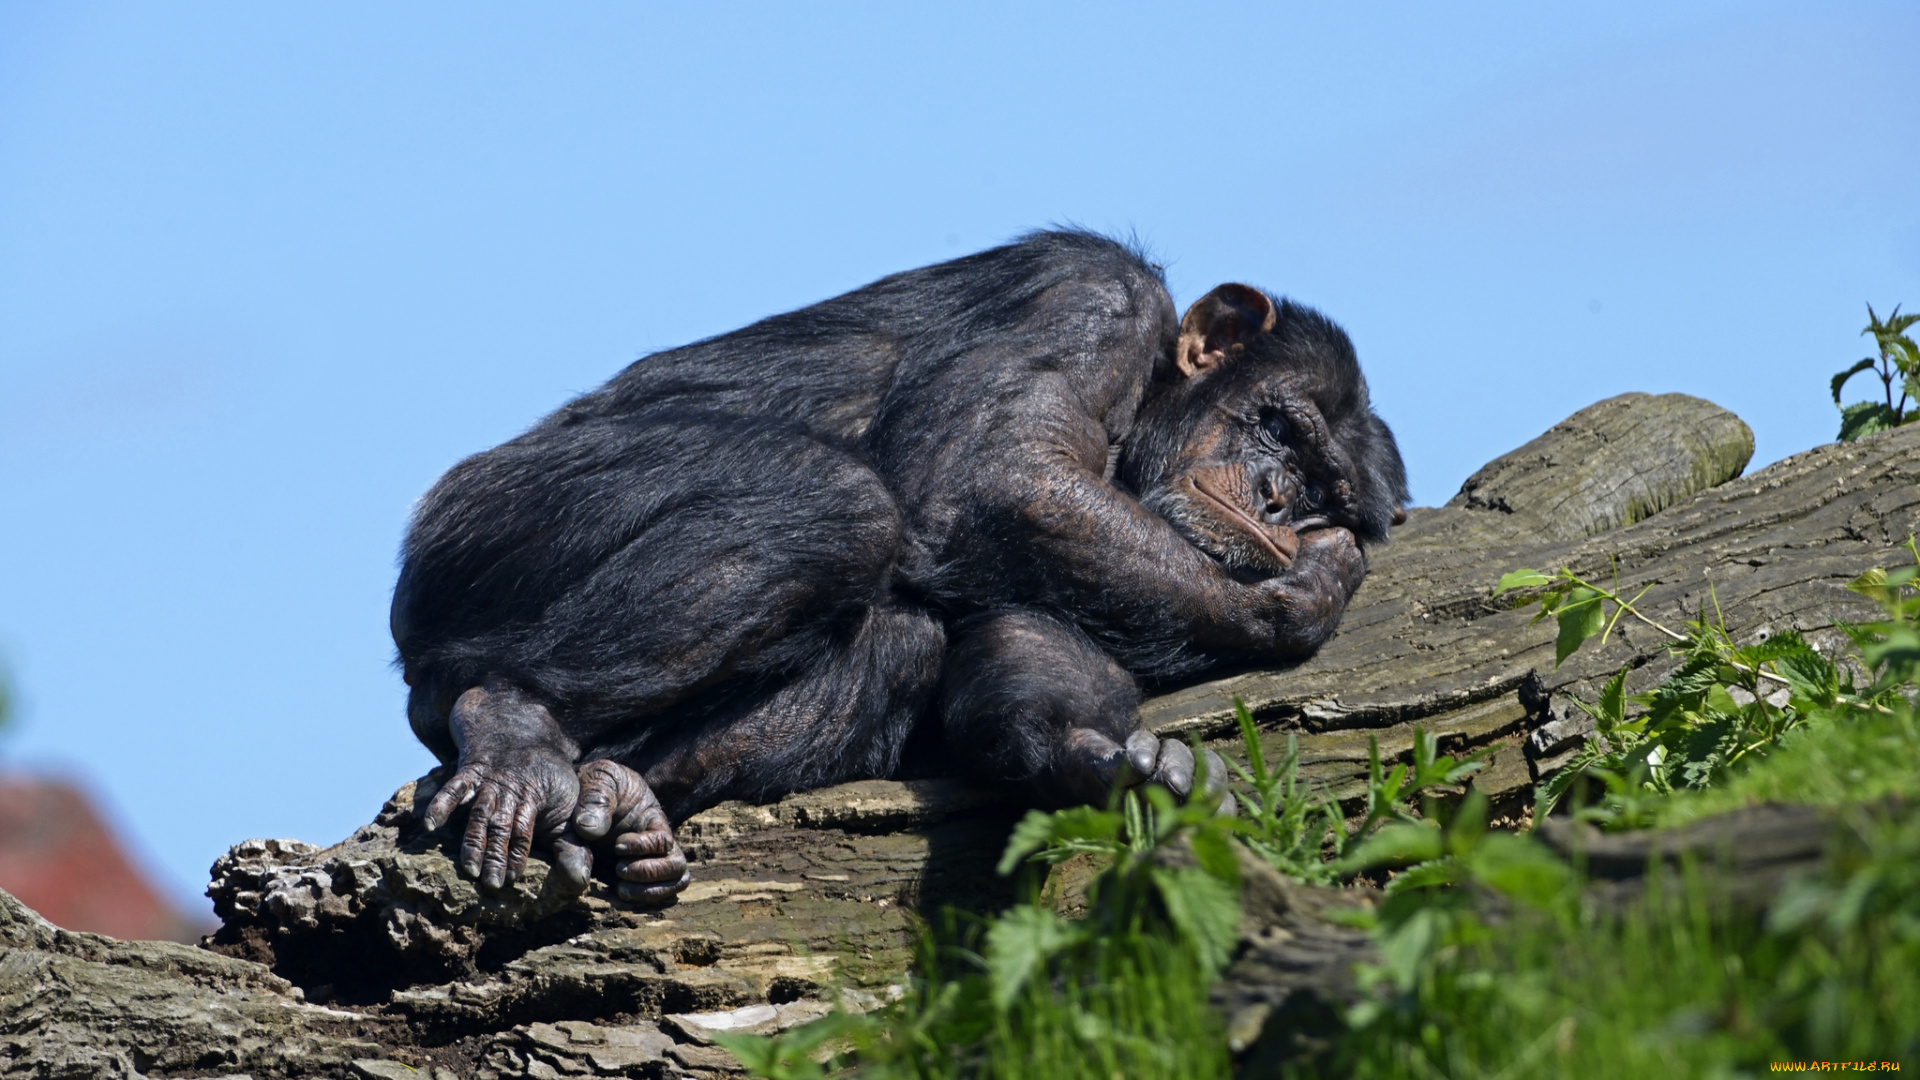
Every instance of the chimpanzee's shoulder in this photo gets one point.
(1089, 251)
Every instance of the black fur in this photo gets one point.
(945, 505)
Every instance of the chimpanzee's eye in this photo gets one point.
(1273, 426)
(1314, 497)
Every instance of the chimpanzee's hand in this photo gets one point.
(518, 770)
(1092, 765)
(1305, 603)
(615, 801)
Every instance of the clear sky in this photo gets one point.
(266, 270)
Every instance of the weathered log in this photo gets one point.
(74, 1004)
(403, 961)
(1612, 464)
(1425, 642)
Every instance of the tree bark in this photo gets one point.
(394, 959)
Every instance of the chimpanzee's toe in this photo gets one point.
(619, 813)
(654, 869)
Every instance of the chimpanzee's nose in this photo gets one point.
(1273, 496)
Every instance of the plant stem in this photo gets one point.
(1628, 607)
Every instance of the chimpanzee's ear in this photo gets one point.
(1220, 324)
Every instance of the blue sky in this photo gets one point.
(267, 270)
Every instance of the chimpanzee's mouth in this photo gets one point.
(1281, 545)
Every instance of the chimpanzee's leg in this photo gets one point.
(846, 717)
(614, 568)
(1031, 700)
(586, 586)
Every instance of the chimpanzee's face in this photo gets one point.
(1262, 432)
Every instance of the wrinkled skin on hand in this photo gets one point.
(516, 777)
(519, 786)
(617, 806)
(1308, 600)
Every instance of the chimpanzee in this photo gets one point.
(969, 504)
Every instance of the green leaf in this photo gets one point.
(1250, 740)
(1785, 643)
(1613, 703)
(1898, 652)
(1431, 874)
(758, 1054)
(789, 1055)
(1205, 909)
(1548, 793)
(1469, 823)
(1395, 845)
(1865, 364)
(1163, 817)
(1869, 583)
(1581, 617)
(1811, 675)
(1404, 949)
(1520, 868)
(1865, 418)
(1052, 837)
(1521, 579)
(1901, 348)
(1032, 833)
(1685, 687)
(1426, 747)
(1456, 772)
(1139, 833)
(1213, 850)
(1719, 702)
(1896, 323)
(1018, 943)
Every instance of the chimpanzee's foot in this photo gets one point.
(1091, 764)
(518, 771)
(616, 802)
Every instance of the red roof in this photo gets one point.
(59, 859)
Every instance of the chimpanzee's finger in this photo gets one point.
(572, 859)
(473, 845)
(1143, 753)
(639, 811)
(1214, 790)
(645, 844)
(607, 791)
(1176, 767)
(651, 871)
(493, 863)
(520, 844)
(652, 895)
(448, 799)
(654, 883)
(654, 870)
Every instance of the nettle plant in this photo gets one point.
(1726, 703)
(1897, 365)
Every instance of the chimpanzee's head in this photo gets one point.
(1258, 429)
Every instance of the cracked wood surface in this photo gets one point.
(396, 963)
(1424, 639)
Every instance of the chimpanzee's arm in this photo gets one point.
(1064, 536)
